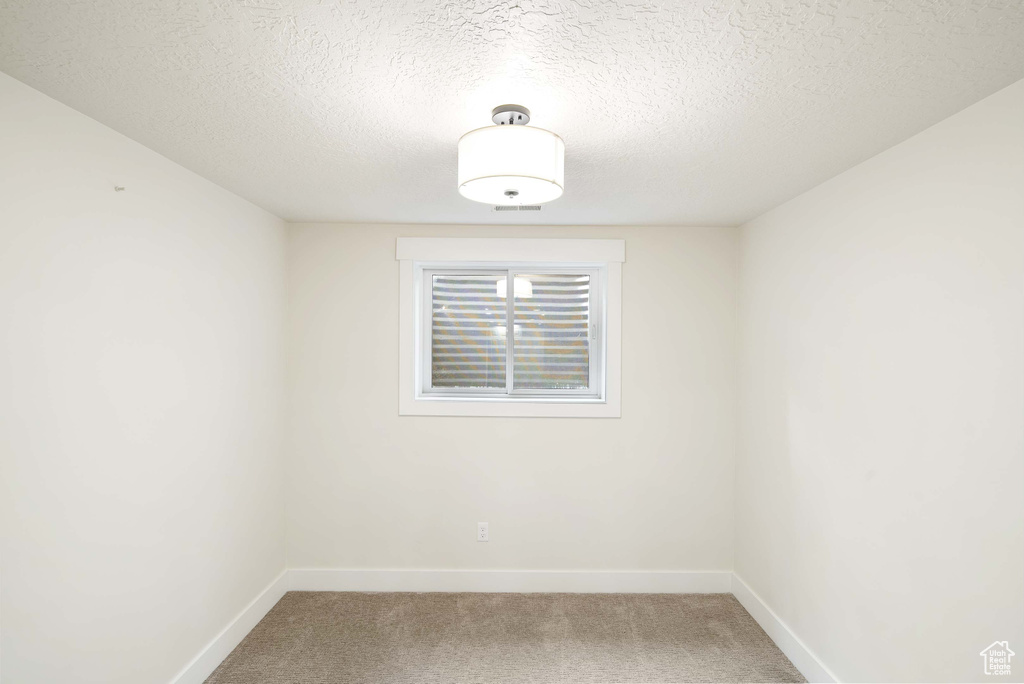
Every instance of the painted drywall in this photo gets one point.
(141, 504)
(651, 490)
(880, 481)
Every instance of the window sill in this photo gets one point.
(499, 398)
(496, 407)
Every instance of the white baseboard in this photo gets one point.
(520, 581)
(788, 642)
(218, 649)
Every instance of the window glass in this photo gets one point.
(551, 348)
(468, 328)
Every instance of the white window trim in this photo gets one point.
(412, 253)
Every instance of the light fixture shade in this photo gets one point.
(496, 160)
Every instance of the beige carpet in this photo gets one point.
(331, 637)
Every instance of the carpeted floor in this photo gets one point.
(333, 637)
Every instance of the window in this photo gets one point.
(553, 351)
(549, 349)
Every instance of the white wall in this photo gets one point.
(141, 505)
(649, 491)
(880, 482)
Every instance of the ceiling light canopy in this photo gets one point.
(510, 162)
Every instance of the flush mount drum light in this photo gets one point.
(511, 163)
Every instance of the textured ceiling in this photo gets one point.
(672, 112)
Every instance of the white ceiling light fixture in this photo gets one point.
(510, 162)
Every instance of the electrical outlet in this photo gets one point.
(481, 532)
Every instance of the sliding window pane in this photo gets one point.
(468, 325)
(552, 332)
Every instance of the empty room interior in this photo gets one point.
(511, 341)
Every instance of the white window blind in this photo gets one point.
(552, 331)
(553, 344)
(467, 331)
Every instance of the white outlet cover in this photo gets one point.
(482, 533)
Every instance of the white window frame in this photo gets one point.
(419, 257)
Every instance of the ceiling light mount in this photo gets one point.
(510, 115)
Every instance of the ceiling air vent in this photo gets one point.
(517, 207)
